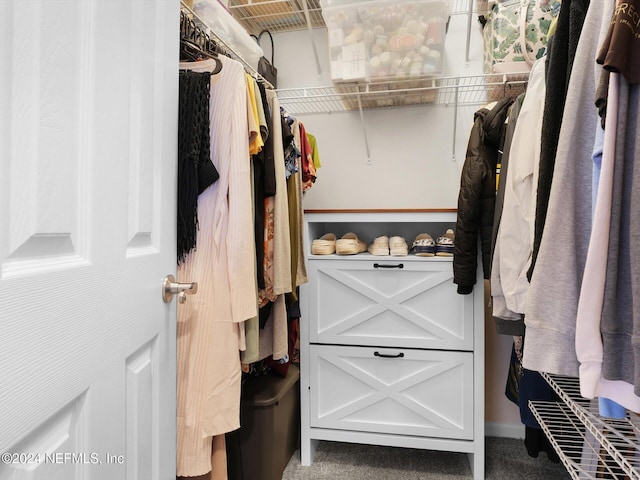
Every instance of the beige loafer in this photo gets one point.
(350, 244)
(380, 246)
(325, 245)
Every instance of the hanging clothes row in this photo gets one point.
(209, 324)
(564, 275)
(513, 232)
(240, 220)
(561, 283)
(563, 269)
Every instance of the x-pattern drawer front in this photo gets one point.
(398, 391)
(415, 306)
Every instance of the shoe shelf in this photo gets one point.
(370, 224)
(590, 446)
(367, 257)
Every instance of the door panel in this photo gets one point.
(62, 433)
(141, 405)
(88, 145)
(40, 142)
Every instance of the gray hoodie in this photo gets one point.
(550, 314)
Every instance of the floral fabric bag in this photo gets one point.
(515, 34)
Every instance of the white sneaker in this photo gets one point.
(398, 246)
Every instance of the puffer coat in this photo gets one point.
(477, 196)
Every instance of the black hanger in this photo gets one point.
(195, 45)
(193, 53)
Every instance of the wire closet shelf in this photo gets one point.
(456, 91)
(287, 15)
(589, 446)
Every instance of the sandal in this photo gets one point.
(445, 245)
(424, 246)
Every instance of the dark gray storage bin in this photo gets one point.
(269, 424)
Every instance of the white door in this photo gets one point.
(88, 142)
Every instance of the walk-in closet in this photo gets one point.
(393, 148)
(313, 239)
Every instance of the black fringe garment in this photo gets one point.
(195, 170)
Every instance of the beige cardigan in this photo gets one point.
(209, 323)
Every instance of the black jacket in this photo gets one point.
(477, 197)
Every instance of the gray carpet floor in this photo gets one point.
(506, 459)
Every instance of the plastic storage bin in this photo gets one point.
(227, 28)
(385, 40)
(269, 424)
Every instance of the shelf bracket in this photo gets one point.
(466, 54)
(310, 29)
(455, 120)
(364, 130)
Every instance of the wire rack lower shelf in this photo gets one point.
(590, 446)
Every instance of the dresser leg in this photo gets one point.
(308, 449)
(476, 462)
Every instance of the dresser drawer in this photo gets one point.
(389, 390)
(401, 303)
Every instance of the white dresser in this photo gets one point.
(390, 353)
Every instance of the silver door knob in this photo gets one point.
(170, 287)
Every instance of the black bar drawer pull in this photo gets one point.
(384, 355)
(377, 265)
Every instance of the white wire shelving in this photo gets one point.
(453, 91)
(288, 15)
(464, 90)
(279, 16)
(590, 446)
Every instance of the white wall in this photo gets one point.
(411, 163)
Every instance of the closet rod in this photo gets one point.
(227, 51)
